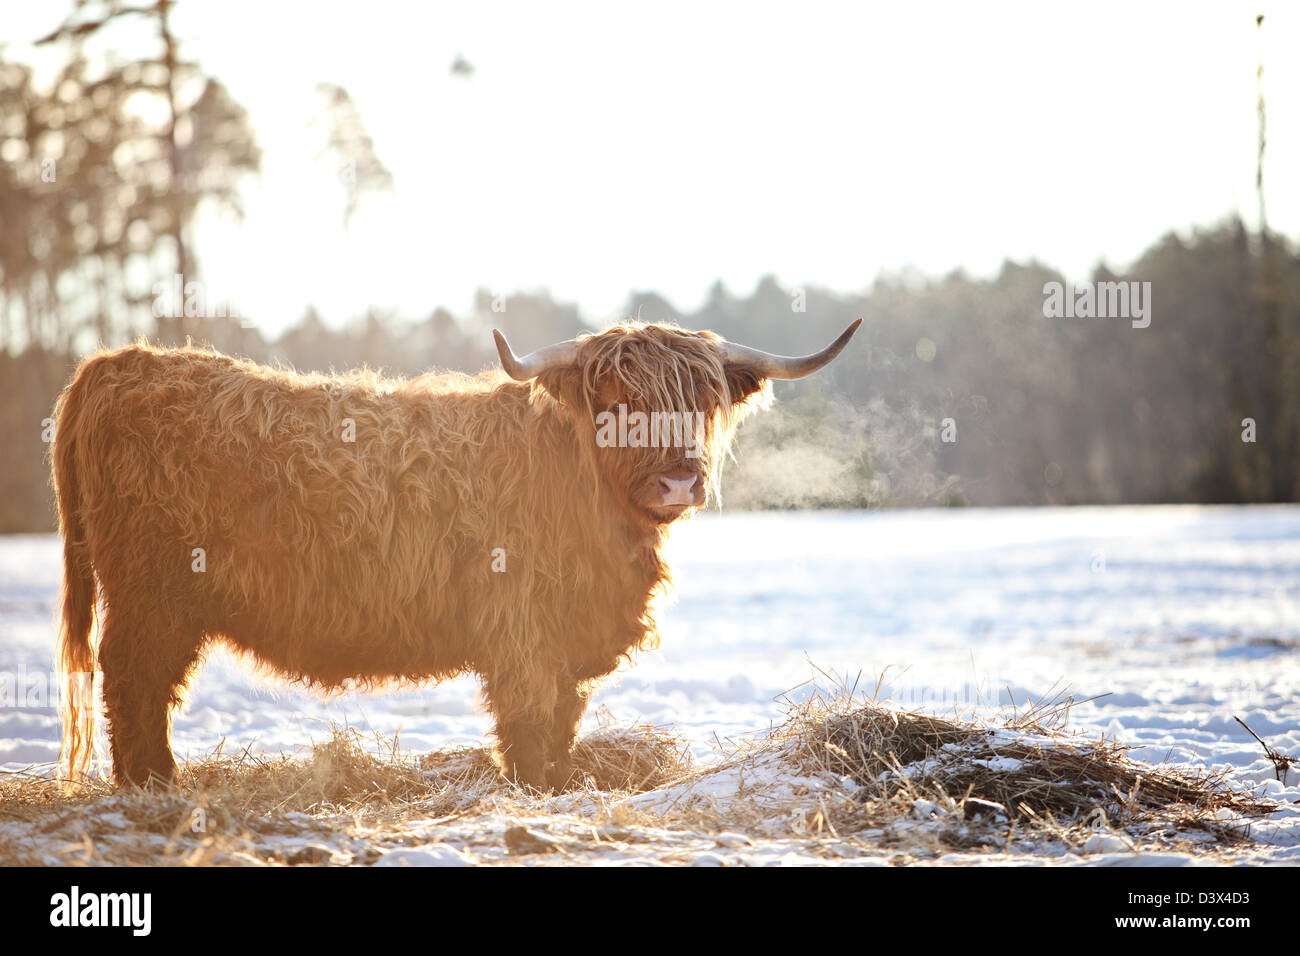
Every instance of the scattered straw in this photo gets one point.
(842, 776)
(1282, 763)
(1029, 772)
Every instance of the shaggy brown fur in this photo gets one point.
(331, 562)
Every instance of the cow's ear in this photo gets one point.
(562, 383)
(742, 382)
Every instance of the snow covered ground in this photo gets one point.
(1174, 619)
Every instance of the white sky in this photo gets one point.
(606, 147)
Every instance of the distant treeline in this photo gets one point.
(955, 391)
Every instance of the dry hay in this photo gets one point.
(346, 780)
(843, 773)
(1026, 774)
(612, 759)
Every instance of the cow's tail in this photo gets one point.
(76, 653)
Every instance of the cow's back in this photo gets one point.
(341, 527)
(308, 518)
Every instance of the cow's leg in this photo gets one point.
(146, 659)
(521, 751)
(569, 708)
(524, 705)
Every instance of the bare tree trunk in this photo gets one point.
(178, 327)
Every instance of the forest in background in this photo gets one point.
(1046, 410)
(957, 390)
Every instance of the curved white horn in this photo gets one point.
(534, 363)
(785, 367)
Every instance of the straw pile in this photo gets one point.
(1027, 773)
(842, 776)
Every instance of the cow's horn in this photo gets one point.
(534, 363)
(785, 367)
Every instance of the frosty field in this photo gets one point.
(1165, 623)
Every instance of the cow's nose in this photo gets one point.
(678, 491)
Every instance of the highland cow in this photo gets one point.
(357, 530)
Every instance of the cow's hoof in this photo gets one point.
(562, 778)
(529, 782)
(149, 781)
